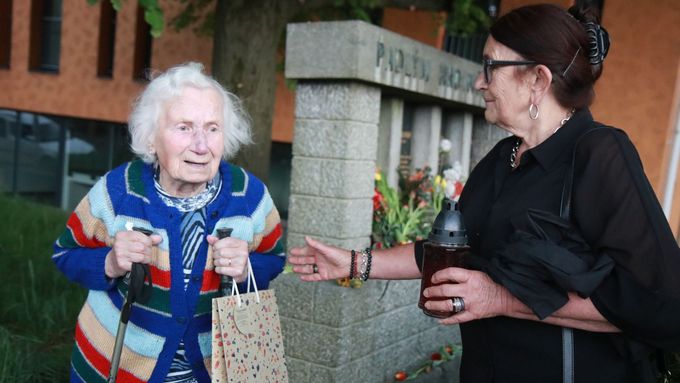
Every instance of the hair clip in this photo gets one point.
(598, 42)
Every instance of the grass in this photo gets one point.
(39, 305)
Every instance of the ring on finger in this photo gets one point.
(315, 268)
(458, 304)
(229, 262)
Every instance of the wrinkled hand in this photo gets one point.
(482, 296)
(230, 257)
(331, 262)
(129, 247)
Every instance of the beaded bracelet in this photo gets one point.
(361, 269)
(368, 264)
(351, 264)
(365, 269)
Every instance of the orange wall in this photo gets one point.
(76, 90)
(508, 5)
(284, 111)
(424, 26)
(635, 92)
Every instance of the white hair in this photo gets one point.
(148, 107)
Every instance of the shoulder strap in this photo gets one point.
(565, 213)
(565, 203)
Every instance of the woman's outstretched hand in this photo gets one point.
(331, 262)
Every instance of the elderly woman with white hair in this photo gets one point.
(184, 127)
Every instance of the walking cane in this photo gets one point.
(226, 281)
(138, 291)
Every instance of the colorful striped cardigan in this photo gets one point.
(127, 194)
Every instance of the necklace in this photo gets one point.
(515, 149)
(513, 154)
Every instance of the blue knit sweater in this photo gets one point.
(127, 194)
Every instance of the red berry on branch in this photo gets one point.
(436, 356)
(400, 376)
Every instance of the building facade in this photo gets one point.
(71, 72)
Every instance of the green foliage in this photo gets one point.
(39, 305)
(194, 12)
(153, 14)
(357, 9)
(405, 215)
(466, 17)
(116, 4)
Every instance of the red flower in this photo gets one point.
(377, 200)
(459, 188)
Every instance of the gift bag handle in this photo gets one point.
(251, 277)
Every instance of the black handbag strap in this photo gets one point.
(565, 213)
(565, 202)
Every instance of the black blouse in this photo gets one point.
(616, 211)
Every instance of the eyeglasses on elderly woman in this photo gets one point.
(488, 65)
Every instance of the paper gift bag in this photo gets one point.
(247, 344)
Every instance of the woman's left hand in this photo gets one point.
(483, 298)
(230, 257)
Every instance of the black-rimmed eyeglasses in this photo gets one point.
(489, 64)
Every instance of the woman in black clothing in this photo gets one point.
(586, 294)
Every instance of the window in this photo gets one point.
(107, 39)
(142, 46)
(56, 159)
(45, 35)
(5, 32)
(279, 176)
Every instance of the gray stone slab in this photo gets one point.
(312, 342)
(305, 176)
(356, 50)
(298, 370)
(339, 307)
(389, 138)
(396, 324)
(406, 353)
(294, 297)
(328, 217)
(332, 178)
(347, 179)
(337, 101)
(335, 139)
(427, 126)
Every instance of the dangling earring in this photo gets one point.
(532, 115)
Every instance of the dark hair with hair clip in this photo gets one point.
(571, 44)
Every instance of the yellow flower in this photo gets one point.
(443, 183)
(437, 180)
(378, 176)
